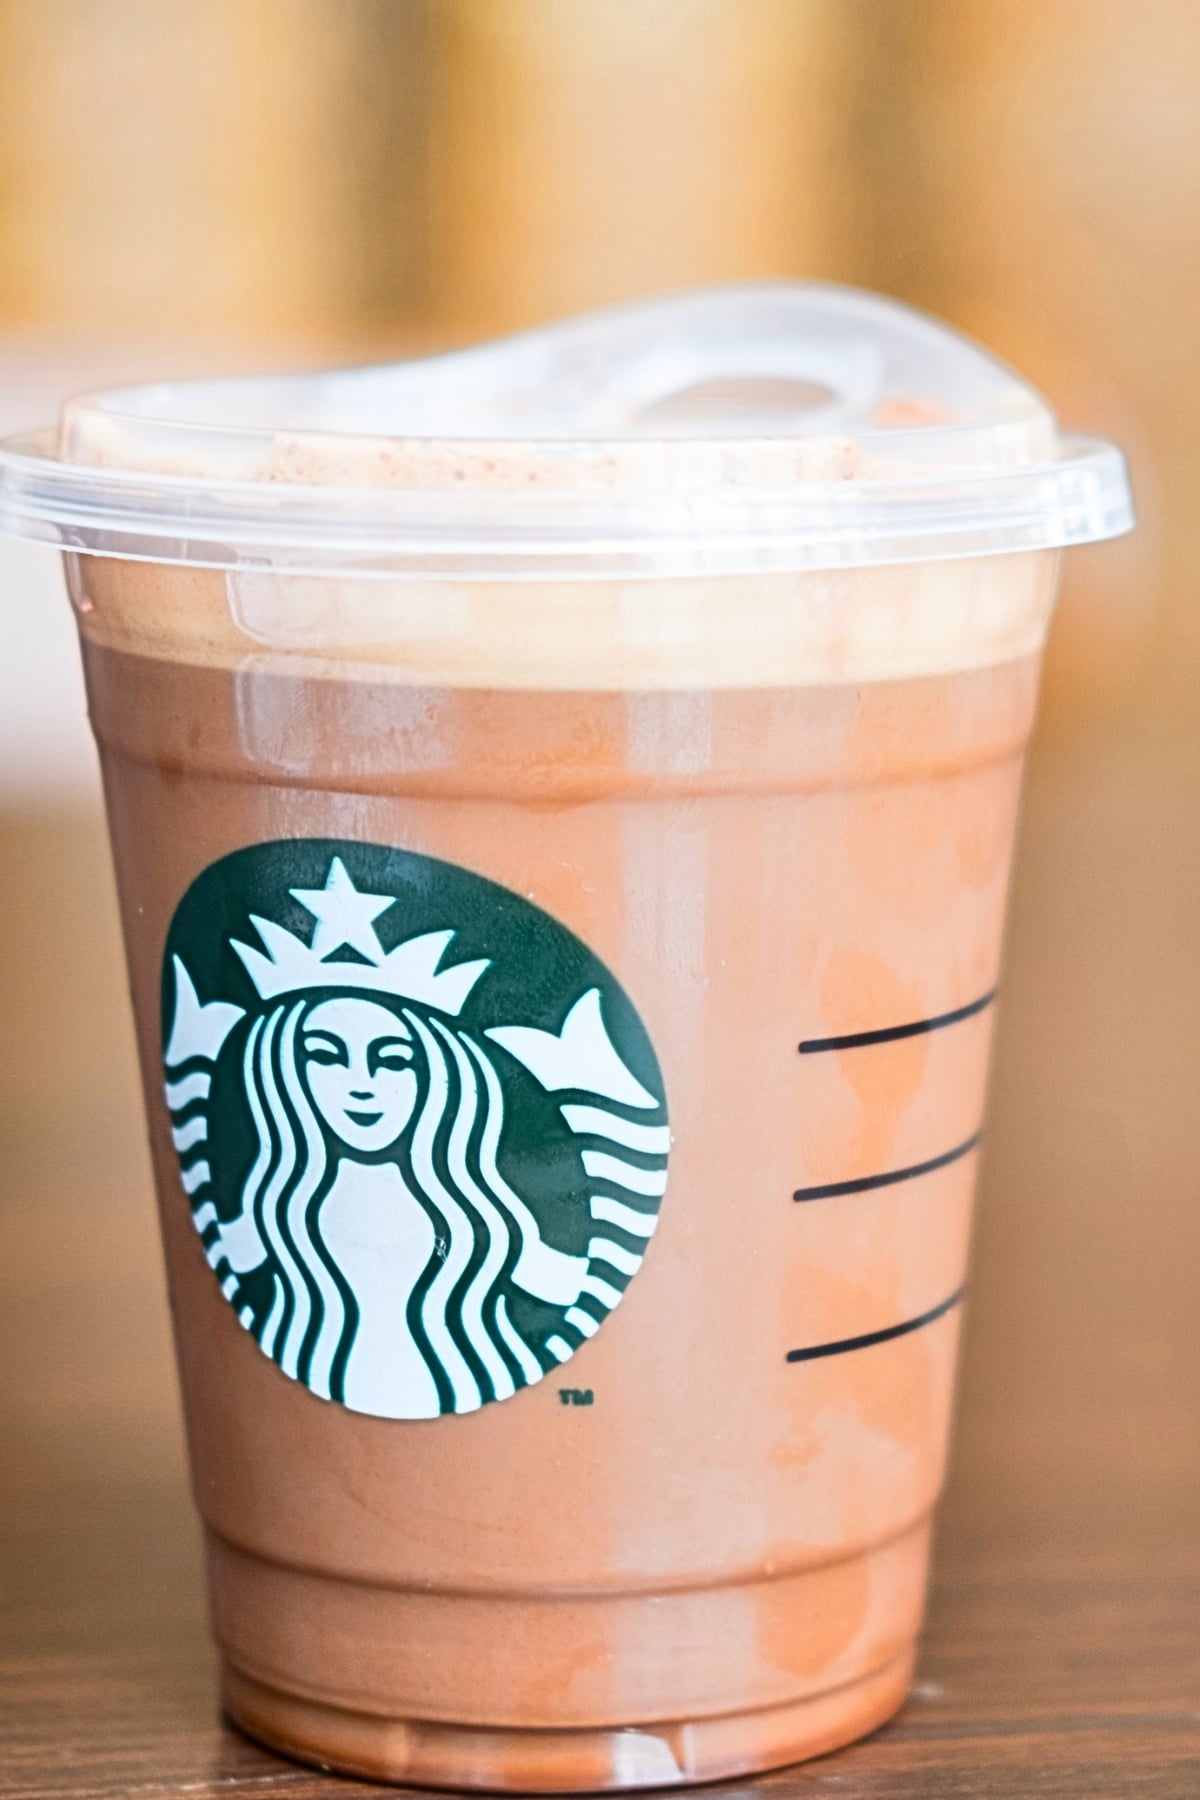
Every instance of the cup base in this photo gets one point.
(434, 1754)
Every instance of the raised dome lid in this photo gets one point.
(739, 429)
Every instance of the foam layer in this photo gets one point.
(832, 626)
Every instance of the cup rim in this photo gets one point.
(647, 531)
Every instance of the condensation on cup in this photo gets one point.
(562, 797)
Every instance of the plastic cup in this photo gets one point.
(562, 798)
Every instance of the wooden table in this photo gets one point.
(1062, 1656)
(1053, 1666)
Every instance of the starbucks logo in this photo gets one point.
(420, 1126)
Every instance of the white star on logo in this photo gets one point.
(343, 915)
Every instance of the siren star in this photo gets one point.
(343, 914)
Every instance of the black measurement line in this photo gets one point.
(888, 1034)
(862, 1184)
(842, 1345)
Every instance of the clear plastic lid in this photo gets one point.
(734, 430)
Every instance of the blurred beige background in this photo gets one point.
(187, 187)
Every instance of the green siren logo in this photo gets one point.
(420, 1126)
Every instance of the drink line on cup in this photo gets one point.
(862, 1184)
(864, 1342)
(888, 1034)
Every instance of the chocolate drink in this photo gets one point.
(718, 1561)
(564, 1000)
